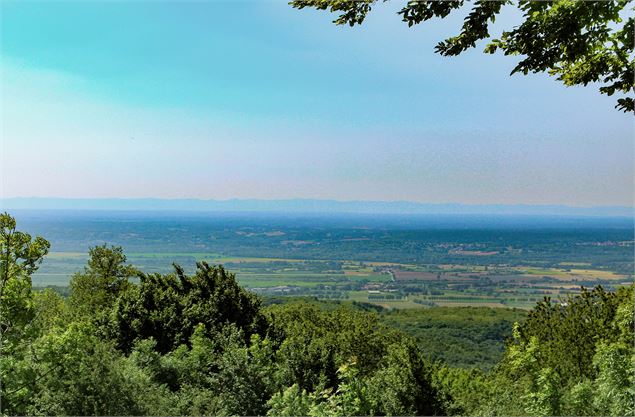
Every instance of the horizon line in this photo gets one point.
(330, 200)
(306, 205)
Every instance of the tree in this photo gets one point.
(315, 343)
(568, 332)
(51, 310)
(72, 371)
(169, 307)
(20, 256)
(293, 401)
(403, 385)
(579, 42)
(614, 392)
(221, 375)
(351, 398)
(574, 358)
(104, 278)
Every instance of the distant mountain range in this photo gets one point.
(306, 206)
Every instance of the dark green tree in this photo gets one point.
(400, 385)
(578, 42)
(568, 331)
(169, 307)
(403, 384)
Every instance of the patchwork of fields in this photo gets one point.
(398, 262)
(386, 284)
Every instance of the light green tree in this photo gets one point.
(73, 371)
(351, 398)
(20, 256)
(570, 359)
(615, 383)
(104, 278)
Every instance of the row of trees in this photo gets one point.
(129, 343)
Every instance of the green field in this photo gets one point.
(416, 287)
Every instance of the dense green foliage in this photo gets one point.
(179, 344)
(464, 337)
(169, 308)
(573, 358)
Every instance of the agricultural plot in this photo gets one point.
(292, 276)
(390, 285)
(401, 276)
(384, 262)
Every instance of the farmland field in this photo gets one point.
(390, 285)
(383, 261)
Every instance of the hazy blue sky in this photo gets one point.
(254, 99)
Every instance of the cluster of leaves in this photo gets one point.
(570, 358)
(20, 256)
(169, 307)
(579, 42)
(128, 343)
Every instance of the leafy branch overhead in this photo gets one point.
(578, 42)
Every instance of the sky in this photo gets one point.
(254, 99)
